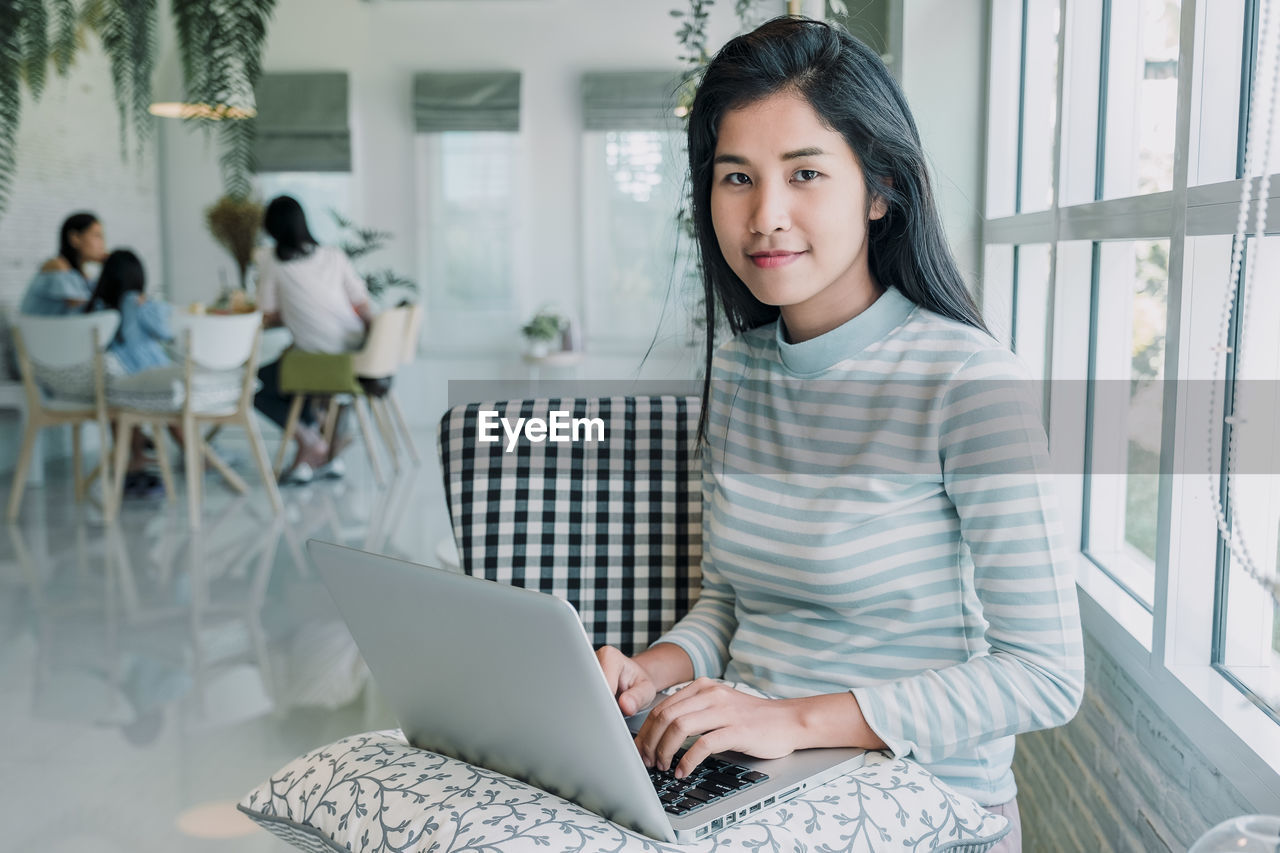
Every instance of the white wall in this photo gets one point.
(941, 60)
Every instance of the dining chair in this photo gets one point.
(412, 329)
(614, 527)
(334, 379)
(218, 380)
(61, 360)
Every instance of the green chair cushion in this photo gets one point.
(318, 373)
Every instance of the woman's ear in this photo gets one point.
(879, 206)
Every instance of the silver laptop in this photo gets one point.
(506, 678)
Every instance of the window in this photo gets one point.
(1140, 93)
(1117, 292)
(321, 194)
(636, 260)
(467, 191)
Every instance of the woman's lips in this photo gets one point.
(769, 260)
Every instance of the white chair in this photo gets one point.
(381, 357)
(413, 327)
(66, 353)
(218, 380)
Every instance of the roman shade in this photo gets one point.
(466, 100)
(302, 123)
(629, 100)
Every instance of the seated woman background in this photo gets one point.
(61, 286)
(315, 293)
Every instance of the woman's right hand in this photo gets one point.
(629, 681)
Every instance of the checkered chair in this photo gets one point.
(614, 527)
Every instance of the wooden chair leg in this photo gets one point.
(263, 462)
(77, 463)
(394, 405)
(290, 426)
(384, 426)
(24, 462)
(194, 459)
(113, 488)
(367, 435)
(224, 469)
(331, 420)
(162, 457)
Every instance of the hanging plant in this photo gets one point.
(221, 43)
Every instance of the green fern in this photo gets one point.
(127, 28)
(11, 56)
(66, 34)
(35, 44)
(221, 43)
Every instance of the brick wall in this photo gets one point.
(1120, 776)
(69, 159)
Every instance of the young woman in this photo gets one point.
(876, 520)
(61, 286)
(314, 292)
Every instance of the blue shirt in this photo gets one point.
(48, 293)
(878, 518)
(144, 326)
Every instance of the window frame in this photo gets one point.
(1168, 651)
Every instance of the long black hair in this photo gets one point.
(76, 223)
(852, 91)
(122, 273)
(287, 224)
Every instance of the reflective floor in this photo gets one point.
(150, 676)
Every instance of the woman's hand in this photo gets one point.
(629, 681)
(721, 718)
(58, 264)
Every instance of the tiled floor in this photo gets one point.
(150, 676)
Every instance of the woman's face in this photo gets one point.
(789, 206)
(90, 243)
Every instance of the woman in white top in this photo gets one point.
(315, 293)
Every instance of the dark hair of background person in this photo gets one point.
(851, 90)
(76, 223)
(122, 273)
(286, 223)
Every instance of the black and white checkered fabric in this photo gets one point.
(614, 527)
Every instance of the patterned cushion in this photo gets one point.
(614, 527)
(372, 793)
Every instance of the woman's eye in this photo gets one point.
(736, 179)
(805, 175)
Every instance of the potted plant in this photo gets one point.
(543, 328)
(235, 223)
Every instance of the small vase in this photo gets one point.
(538, 349)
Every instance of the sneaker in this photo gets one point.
(334, 469)
(143, 484)
(298, 475)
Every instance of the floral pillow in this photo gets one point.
(373, 793)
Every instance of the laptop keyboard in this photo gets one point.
(712, 780)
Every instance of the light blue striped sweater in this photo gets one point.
(877, 518)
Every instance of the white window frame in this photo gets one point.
(449, 331)
(1168, 651)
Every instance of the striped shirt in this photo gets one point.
(877, 518)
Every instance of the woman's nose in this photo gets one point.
(770, 212)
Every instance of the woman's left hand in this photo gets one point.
(722, 718)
